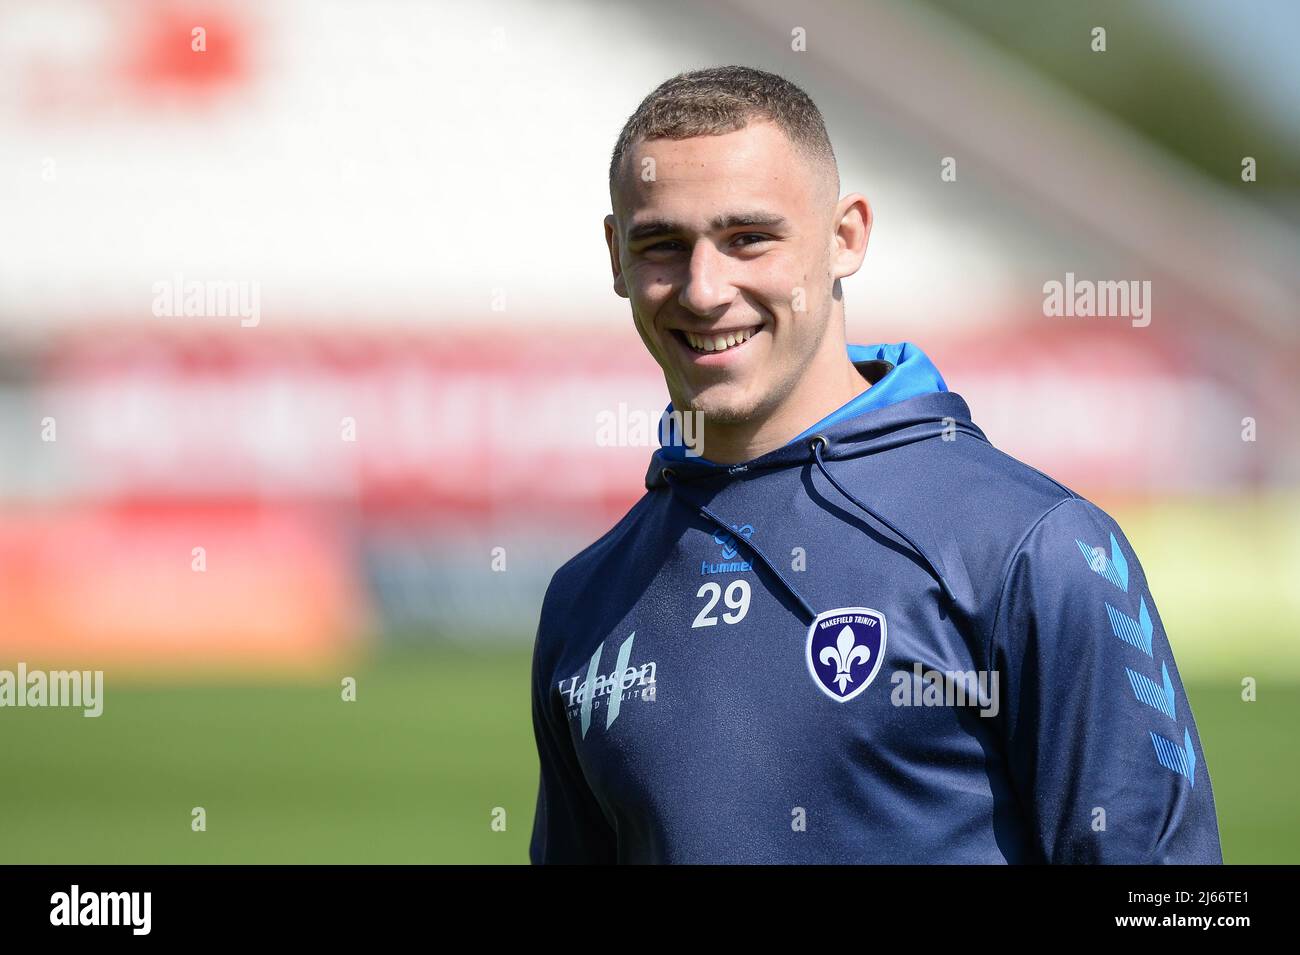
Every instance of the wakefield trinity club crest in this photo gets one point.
(845, 650)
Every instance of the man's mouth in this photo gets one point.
(705, 344)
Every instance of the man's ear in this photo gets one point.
(611, 241)
(853, 218)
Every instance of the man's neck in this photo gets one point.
(746, 440)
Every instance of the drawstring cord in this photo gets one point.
(746, 542)
(815, 444)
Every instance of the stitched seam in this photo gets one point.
(1006, 576)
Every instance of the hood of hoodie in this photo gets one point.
(898, 373)
(908, 402)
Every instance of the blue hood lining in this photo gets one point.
(912, 375)
(909, 374)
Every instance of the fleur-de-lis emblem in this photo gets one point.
(846, 652)
(845, 649)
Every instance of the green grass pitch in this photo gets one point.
(413, 771)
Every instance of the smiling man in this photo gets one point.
(731, 246)
(851, 631)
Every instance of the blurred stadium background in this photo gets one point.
(416, 192)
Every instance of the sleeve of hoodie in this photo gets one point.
(1103, 750)
(568, 826)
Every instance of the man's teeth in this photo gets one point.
(718, 342)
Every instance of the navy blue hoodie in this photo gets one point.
(886, 641)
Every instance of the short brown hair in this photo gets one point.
(723, 99)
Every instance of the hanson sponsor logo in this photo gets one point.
(626, 682)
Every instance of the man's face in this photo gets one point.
(725, 256)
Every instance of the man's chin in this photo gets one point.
(722, 409)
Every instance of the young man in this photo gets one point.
(851, 630)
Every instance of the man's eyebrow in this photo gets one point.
(735, 220)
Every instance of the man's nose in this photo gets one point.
(708, 285)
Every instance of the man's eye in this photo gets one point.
(673, 245)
